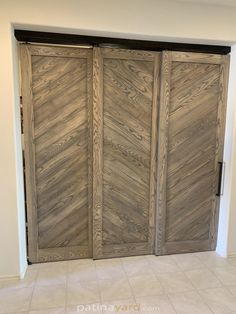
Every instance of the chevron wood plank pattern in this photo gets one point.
(192, 143)
(193, 131)
(93, 169)
(128, 83)
(60, 82)
(126, 150)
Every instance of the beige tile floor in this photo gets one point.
(199, 283)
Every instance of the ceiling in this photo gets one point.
(213, 2)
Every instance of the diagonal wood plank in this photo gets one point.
(124, 225)
(60, 82)
(192, 126)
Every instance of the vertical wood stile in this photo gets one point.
(153, 159)
(97, 152)
(29, 150)
(162, 150)
(90, 150)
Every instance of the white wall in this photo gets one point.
(231, 122)
(226, 244)
(144, 19)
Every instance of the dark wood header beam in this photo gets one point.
(69, 39)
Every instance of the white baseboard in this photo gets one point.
(232, 255)
(10, 277)
(15, 277)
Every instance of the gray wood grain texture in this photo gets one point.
(125, 136)
(162, 152)
(97, 151)
(29, 150)
(192, 118)
(153, 156)
(92, 168)
(57, 109)
(196, 57)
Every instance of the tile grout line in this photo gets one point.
(79, 282)
(34, 284)
(35, 281)
(127, 277)
(164, 291)
(58, 284)
(227, 288)
(156, 276)
(66, 286)
(171, 303)
(205, 302)
(98, 285)
(206, 288)
(194, 288)
(168, 273)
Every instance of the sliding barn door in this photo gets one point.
(126, 96)
(192, 116)
(56, 98)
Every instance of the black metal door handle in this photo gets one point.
(219, 178)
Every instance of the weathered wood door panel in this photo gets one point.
(57, 112)
(192, 117)
(63, 145)
(126, 96)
